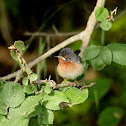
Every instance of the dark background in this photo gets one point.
(19, 16)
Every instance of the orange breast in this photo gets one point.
(69, 70)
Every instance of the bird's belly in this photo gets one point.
(70, 71)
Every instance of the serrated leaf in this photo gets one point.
(3, 107)
(91, 52)
(106, 25)
(97, 63)
(110, 116)
(101, 13)
(26, 108)
(25, 81)
(103, 59)
(119, 52)
(19, 45)
(30, 88)
(76, 96)
(33, 76)
(45, 117)
(100, 89)
(13, 94)
(106, 55)
(52, 100)
(13, 55)
(21, 121)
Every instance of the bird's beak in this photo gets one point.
(60, 57)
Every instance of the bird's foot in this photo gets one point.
(68, 82)
(76, 83)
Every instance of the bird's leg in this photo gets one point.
(68, 82)
(76, 83)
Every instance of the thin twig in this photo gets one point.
(50, 34)
(57, 86)
(87, 86)
(84, 36)
(22, 62)
(57, 34)
(110, 17)
(120, 15)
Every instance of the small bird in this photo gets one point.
(69, 66)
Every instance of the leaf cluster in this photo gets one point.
(101, 14)
(18, 103)
(100, 56)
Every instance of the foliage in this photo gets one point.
(115, 52)
(13, 94)
(110, 116)
(101, 14)
(76, 96)
(21, 103)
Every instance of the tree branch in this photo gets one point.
(50, 34)
(53, 84)
(84, 36)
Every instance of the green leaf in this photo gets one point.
(110, 116)
(101, 13)
(4, 122)
(2, 117)
(119, 52)
(33, 122)
(38, 110)
(106, 25)
(30, 88)
(13, 55)
(3, 107)
(19, 45)
(26, 108)
(76, 96)
(45, 117)
(13, 95)
(52, 100)
(100, 89)
(106, 55)
(21, 121)
(91, 52)
(33, 76)
(46, 88)
(1, 85)
(103, 59)
(97, 63)
(25, 81)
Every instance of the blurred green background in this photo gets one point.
(106, 104)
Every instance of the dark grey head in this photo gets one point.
(69, 55)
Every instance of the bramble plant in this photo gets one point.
(19, 102)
